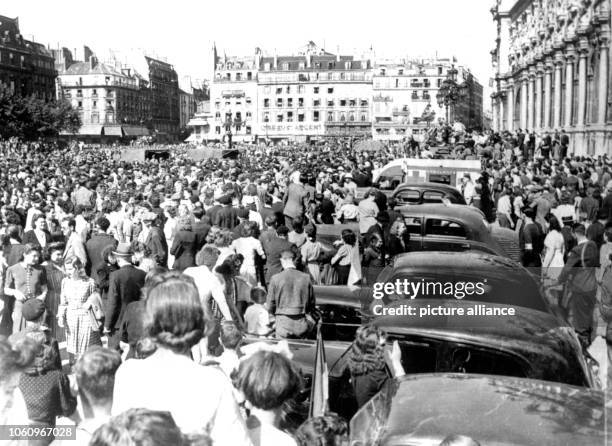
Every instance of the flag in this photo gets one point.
(319, 393)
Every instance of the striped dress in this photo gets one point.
(80, 332)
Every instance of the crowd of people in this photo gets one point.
(158, 269)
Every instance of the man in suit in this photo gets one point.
(38, 236)
(200, 227)
(96, 244)
(578, 278)
(296, 201)
(124, 287)
(154, 239)
(74, 243)
(380, 228)
(291, 298)
(227, 216)
(274, 248)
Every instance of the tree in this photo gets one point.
(30, 118)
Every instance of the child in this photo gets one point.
(231, 338)
(256, 317)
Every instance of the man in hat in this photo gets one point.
(124, 287)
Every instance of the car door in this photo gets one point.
(414, 224)
(441, 234)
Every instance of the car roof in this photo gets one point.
(471, 215)
(427, 185)
(460, 261)
(526, 326)
(492, 410)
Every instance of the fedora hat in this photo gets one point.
(123, 250)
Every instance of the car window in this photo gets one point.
(339, 322)
(463, 359)
(413, 224)
(408, 196)
(440, 178)
(430, 196)
(445, 228)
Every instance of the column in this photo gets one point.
(547, 93)
(559, 60)
(500, 121)
(531, 100)
(510, 106)
(582, 81)
(602, 88)
(570, 55)
(538, 96)
(524, 102)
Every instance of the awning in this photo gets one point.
(88, 129)
(135, 131)
(113, 131)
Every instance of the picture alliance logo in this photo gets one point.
(415, 289)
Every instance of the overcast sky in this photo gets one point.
(183, 31)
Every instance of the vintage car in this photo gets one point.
(421, 410)
(426, 192)
(434, 227)
(529, 344)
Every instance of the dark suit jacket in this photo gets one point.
(273, 251)
(184, 248)
(30, 237)
(376, 229)
(124, 287)
(227, 217)
(201, 231)
(212, 212)
(156, 241)
(290, 293)
(94, 247)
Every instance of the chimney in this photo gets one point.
(93, 61)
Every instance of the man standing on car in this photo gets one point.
(291, 300)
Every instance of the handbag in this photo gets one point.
(96, 315)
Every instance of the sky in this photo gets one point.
(183, 31)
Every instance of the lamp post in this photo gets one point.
(450, 92)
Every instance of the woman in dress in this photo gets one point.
(248, 246)
(184, 246)
(311, 252)
(347, 259)
(78, 298)
(554, 251)
(54, 268)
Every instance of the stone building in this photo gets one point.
(26, 67)
(404, 97)
(552, 63)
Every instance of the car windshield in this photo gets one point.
(511, 289)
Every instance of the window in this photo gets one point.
(444, 228)
(279, 102)
(248, 101)
(289, 116)
(330, 76)
(352, 117)
(396, 83)
(301, 117)
(248, 114)
(279, 90)
(330, 103)
(430, 196)
(412, 223)
(238, 76)
(279, 118)
(300, 102)
(383, 71)
(249, 77)
(439, 82)
(400, 72)
(342, 117)
(315, 90)
(94, 92)
(266, 117)
(80, 105)
(352, 103)
(290, 102)
(288, 89)
(343, 103)
(218, 130)
(315, 116)
(95, 103)
(218, 115)
(316, 103)
(228, 76)
(330, 90)
(79, 93)
(285, 66)
(439, 71)
(330, 116)
(300, 89)
(364, 103)
(217, 105)
(342, 76)
(364, 117)
(266, 103)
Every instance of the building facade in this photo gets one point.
(404, 98)
(552, 61)
(112, 102)
(26, 67)
(316, 94)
